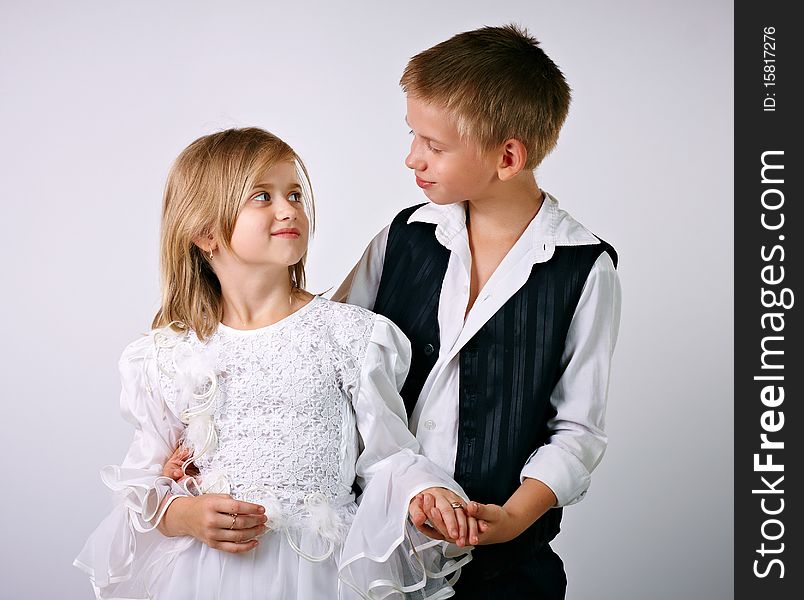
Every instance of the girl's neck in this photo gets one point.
(260, 301)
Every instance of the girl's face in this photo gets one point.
(272, 228)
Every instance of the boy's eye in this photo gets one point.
(262, 197)
(295, 197)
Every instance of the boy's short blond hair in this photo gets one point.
(498, 83)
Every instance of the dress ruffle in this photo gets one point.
(384, 555)
(126, 551)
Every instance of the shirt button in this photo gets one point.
(429, 424)
(429, 349)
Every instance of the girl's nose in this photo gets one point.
(285, 211)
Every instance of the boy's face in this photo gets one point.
(447, 168)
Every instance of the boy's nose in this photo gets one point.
(414, 160)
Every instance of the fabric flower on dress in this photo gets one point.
(195, 377)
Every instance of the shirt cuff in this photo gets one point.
(559, 470)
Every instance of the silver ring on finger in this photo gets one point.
(456, 504)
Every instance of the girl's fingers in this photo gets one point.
(463, 528)
(428, 503)
(225, 521)
(226, 504)
(472, 525)
(416, 512)
(235, 548)
(437, 520)
(240, 536)
(248, 508)
(179, 455)
(447, 518)
(430, 532)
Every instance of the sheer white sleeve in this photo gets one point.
(125, 550)
(384, 553)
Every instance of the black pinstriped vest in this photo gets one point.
(507, 370)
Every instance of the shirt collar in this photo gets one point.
(449, 219)
(550, 227)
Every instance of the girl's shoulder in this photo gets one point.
(346, 324)
(146, 346)
(343, 310)
(362, 318)
(153, 360)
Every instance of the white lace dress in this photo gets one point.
(287, 416)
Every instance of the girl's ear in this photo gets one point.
(207, 244)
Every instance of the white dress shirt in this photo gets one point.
(577, 439)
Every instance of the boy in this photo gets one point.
(511, 306)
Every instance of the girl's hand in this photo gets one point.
(432, 512)
(217, 520)
(173, 465)
(496, 525)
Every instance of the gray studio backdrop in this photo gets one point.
(99, 97)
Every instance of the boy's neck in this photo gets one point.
(495, 223)
(508, 209)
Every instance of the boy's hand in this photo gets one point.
(173, 465)
(435, 512)
(495, 524)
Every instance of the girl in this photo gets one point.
(284, 399)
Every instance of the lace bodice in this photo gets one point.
(278, 416)
(287, 416)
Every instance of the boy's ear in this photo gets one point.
(513, 157)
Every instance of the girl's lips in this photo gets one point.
(424, 184)
(286, 233)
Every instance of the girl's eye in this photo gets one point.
(295, 196)
(262, 197)
(433, 150)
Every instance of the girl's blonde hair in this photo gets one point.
(205, 191)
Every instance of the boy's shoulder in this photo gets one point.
(564, 228)
(551, 225)
(568, 232)
(424, 232)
